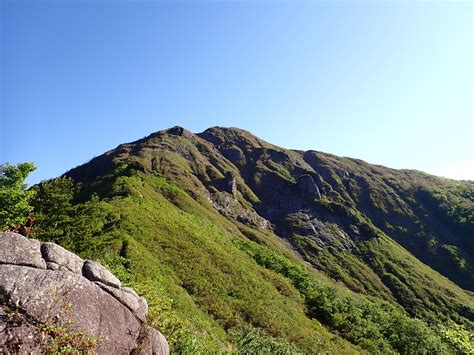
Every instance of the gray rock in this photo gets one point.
(230, 183)
(57, 294)
(154, 343)
(54, 266)
(130, 290)
(179, 131)
(96, 272)
(234, 154)
(18, 250)
(18, 335)
(54, 253)
(308, 187)
(47, 294)
(143, 305)
(137, 305)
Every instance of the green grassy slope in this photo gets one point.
(269, 265)
(183, 257)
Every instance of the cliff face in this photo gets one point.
(52, 300)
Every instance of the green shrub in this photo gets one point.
(14, 198)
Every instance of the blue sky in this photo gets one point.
(388, 82)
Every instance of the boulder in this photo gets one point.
(96, 272)
(130, 290)
(47, 295)
(137, 305)
(42, 301)
(19, 250)
(57, 254)
(154, 343)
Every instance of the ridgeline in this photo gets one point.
(240, 245)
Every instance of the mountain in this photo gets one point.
(238, 244)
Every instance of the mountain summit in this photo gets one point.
(293, 245)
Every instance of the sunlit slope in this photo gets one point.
(191, 255)
(224, 233)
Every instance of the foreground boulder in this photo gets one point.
(18, 250)
(50, 297)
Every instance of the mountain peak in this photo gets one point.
(179, 131)
(233, 136)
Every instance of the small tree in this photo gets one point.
(54, 210)
(14, 198)
(60, 220)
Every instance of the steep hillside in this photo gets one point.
(242, 245)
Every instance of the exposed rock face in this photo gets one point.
(154, 343)
(56, 254)
(308, 188)
(230, 183)
(45, 284)
(325, 234)
(179, 131)
(17, 250)
(228, 205)
(96, 272)
(234, 154)
(137, 305)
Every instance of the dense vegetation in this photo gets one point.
(14, 199)
(160, 215)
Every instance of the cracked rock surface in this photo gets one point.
(47, 282)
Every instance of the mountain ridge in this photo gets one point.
(219, 136)
(383, 233)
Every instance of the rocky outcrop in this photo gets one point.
(96, 272)
(230, 183)
(324, 234)
(58, 257)
(49, 294)
(179, 131)
(17, 250)
(307, 187)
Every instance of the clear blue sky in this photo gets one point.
(388, 82)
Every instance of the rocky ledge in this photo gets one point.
(49, 295)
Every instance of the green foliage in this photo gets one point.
(58, 219)
(14, 198)
(54, 210)
(370, 323)
(211, 288)
(456, 201)
(63, 340)
(158, 229)
(255, 342)
(458, 337)
(51, 335)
